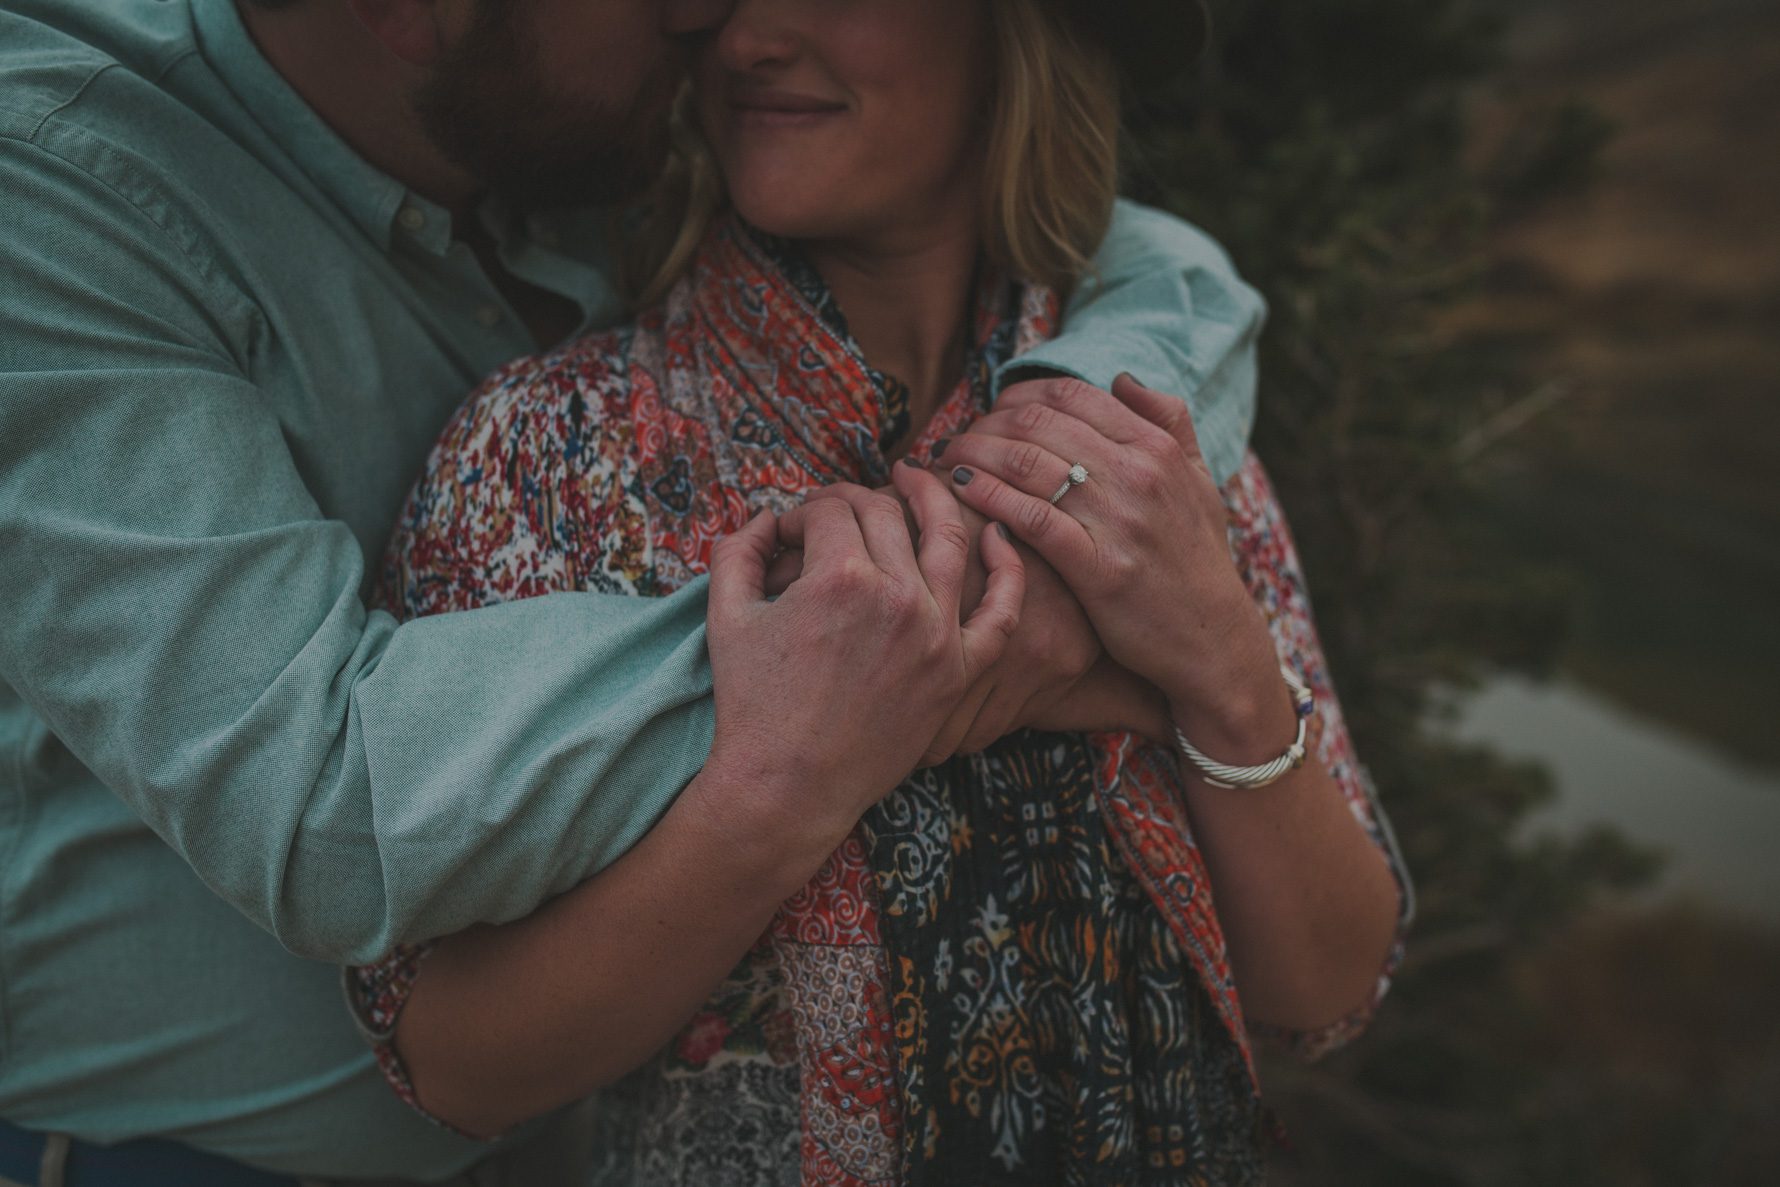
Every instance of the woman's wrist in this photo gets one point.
(1235, 705)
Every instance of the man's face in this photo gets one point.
(559, 102)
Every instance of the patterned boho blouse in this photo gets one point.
(1012, 971)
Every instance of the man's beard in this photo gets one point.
(487, 109)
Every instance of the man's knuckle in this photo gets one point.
(852, 576)
(902, 603)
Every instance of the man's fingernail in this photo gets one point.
(939, 447)
(962, 476)
(1005, 534)
(912, 464)
(1132, 378)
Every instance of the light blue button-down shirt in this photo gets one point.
(226, 343)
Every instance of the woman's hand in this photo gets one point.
(1142, 543)
(1306, 901)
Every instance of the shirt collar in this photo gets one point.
(372, 198)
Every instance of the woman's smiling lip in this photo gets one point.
(766, 105)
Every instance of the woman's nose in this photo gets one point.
(679, 17)
(756, 34)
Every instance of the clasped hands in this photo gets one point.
(1119, 609)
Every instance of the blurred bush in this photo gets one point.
(1327, 144)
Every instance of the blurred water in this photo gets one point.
(1716, 818)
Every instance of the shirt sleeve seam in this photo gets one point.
(136, 194)
(69, 101)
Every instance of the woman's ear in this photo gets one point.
(409, 29)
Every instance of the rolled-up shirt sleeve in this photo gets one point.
(191, 625)
(1164, 302)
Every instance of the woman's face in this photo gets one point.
(842, 119)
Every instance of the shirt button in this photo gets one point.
(412, 218)
(489, 316)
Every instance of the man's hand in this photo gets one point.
(832, 693)
(1053, 674)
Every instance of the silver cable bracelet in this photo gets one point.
(1219, 774)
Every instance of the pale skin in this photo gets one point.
(509, 1022)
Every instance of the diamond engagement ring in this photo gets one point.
(1078, 474)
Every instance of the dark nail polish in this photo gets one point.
(1005, 534)
(912, 464)
(962, 476)
(939, 447)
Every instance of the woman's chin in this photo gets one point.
(787, 220)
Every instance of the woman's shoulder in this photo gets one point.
(525, 478)
(539, 387)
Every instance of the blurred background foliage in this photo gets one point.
(1518, 396)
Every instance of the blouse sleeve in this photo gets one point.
(480, 527)
(1268, 562)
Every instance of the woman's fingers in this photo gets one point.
(1026, 466)
(1059, 538)
(945, 545)
(738, 566)
(1164, 411)
(1079, 401)
(997, 616)
(1069, 438)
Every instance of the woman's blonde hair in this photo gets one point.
(1051, 162)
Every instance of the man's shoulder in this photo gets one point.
(1146, 232)
(53, 54)
(112, 123)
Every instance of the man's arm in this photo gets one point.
(190, 625)
(1164, 303)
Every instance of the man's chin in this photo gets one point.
(544, 178)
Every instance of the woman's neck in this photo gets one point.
(907, 301)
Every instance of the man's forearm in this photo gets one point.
(1164, 302)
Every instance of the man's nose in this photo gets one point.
(680, 17)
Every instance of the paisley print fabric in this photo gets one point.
(1012, 972)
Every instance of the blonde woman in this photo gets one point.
(1006, 967)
